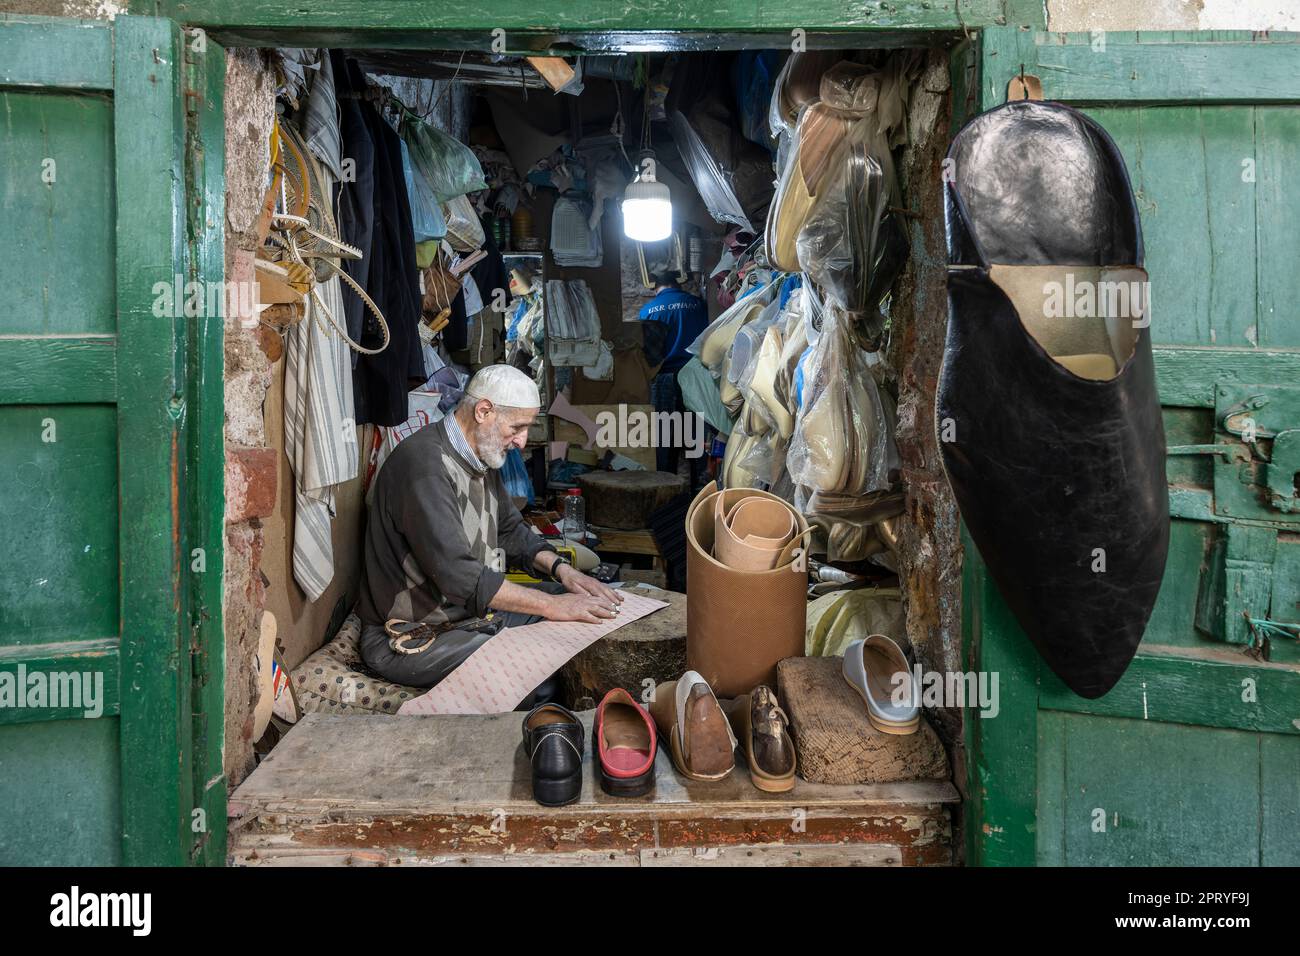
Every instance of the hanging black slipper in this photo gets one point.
(1047, 413)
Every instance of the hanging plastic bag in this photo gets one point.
(843, 441)
(464, 231)
(515, 475)
(426, 214)
(449, 166)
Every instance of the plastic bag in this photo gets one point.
(515, 475)
(448, 165)
(713, 183)
(426, 214)
(843, 441)
(464, 231)
(829, 217)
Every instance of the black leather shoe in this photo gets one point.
(1047, 413)
(553, 740)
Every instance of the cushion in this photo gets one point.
(335, 680)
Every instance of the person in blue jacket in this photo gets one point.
(672, 320)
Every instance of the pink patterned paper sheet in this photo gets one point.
(505, 670)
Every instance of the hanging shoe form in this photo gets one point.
(1047, 413)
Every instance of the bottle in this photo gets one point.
(574, 525)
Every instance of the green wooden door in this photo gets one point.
(110, 431)
(1194, 758)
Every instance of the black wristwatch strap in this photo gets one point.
(555, 567)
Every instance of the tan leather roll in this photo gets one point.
(739, 623)
(752, 535)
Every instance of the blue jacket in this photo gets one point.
(685, 316)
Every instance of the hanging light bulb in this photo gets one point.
(647, 205)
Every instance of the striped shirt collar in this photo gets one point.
(459, 442)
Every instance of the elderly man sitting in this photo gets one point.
(440, 524)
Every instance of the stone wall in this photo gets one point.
(929, 547)
(250, 462)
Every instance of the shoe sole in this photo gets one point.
(637, 786)
(901, 729)
(558, 793)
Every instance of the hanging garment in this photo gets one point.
(573, 241)
(319, 433)
(356, 197)
(572, 323)
(381, 381)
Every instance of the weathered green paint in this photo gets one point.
(1189, 755)
(34, 53)
(1100, 776)
(604, 25)
(205, 459)
(109, 486)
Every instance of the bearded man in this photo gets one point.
(440, 532)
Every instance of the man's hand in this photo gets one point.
(575, 582)
(579, 607)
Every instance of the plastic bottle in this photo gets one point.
(574, 525)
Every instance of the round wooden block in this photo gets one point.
(653, 648)
(625, 499)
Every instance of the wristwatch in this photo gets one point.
(553, 573)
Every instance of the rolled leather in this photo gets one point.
(740, 622)
(1050, 428)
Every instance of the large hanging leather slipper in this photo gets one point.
(1047, 414)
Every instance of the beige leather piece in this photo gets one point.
(763, 383)
(740, 623)
(717, 345)
(1087, 318)
(752, 535)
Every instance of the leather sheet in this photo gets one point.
(739, 622)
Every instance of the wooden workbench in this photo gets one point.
(456, 790)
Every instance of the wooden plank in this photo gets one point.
(1187, 375)
(57, 369)
(651, 25)
(1177, 686)
(618, 541)
(553, 69)
(157, 784)
(759, 855)
(1002, 790)
(330, 764)
(80, 676)
(1262, 70)
(205, 460)
(1050, 849)
(453, 786)
(1277, 157)
(55, 52)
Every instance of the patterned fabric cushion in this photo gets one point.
(335, 680)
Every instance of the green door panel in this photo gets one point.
(62, 577)
(58, 274)
(1116, 792)
(1192, 757)
(62, 780)
(110, 430)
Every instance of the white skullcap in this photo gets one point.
(504, 385)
